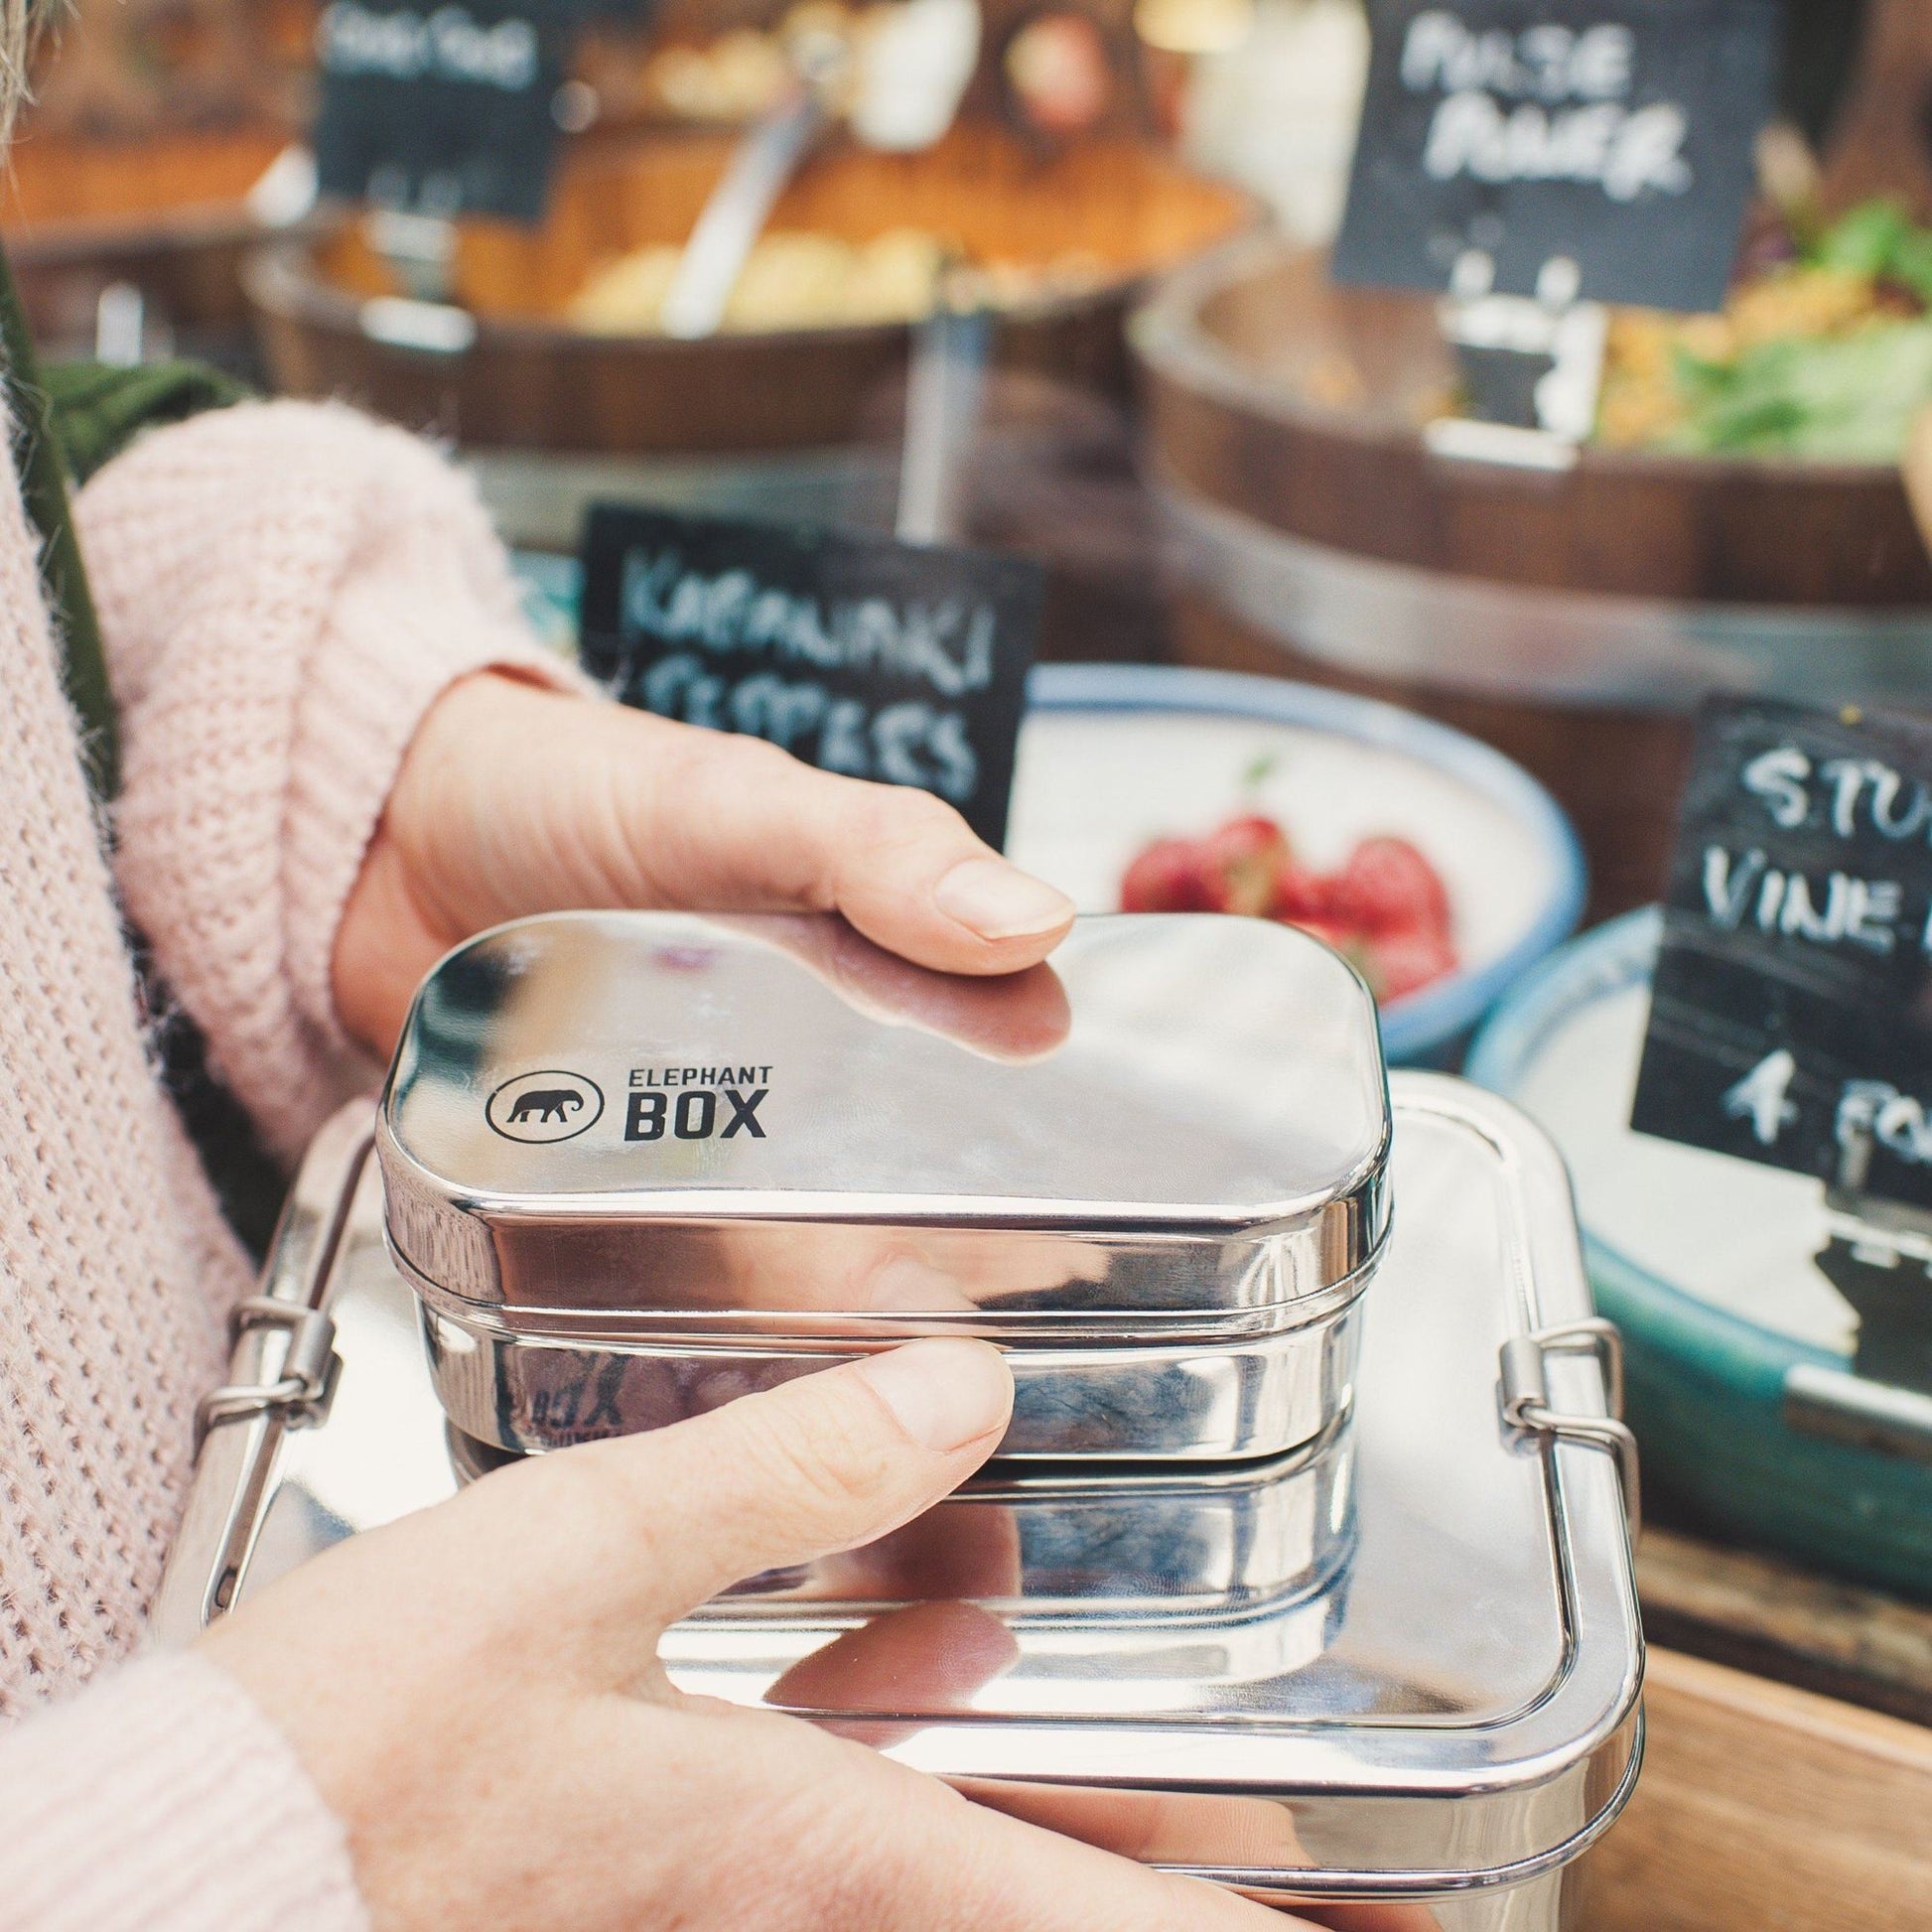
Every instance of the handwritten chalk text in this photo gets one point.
(450, 43)
(946, 643)
(1549, 103)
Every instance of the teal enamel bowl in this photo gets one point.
(1705, 1382)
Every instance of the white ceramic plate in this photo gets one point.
(1112, 757)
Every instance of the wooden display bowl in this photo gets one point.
(531, 381)
(1237, 358)
(1569, 616)
(166, 212)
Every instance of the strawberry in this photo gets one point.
(1172, 875)
(1231, 870)
(1342, 939)
(1401, 963)
(1388, 887)
(1303, 897)
(1248, 853)
(1385, 911)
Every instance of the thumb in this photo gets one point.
(708, 819)
(642, 1529)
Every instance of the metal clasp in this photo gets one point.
(1526, 1397)
(301, 1393)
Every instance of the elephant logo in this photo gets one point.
(547, 1103)
(550, 1104)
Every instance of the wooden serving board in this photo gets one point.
(1765, 1809)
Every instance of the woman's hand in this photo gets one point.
(515, 799)
(477, 1692)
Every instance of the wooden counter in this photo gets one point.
(1765, 1809)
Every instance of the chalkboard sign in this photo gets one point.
(1616, 133)
(1791, 1015)
(895, 662)
(442, 107)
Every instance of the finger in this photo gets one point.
(1155, 1826)
(721, 822)
(632, 1532)
(914, 1856)
(1034, 1880)
(1370, 1916)
(1185, 1828)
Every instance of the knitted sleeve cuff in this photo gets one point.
(162, 1799)
(284, 590)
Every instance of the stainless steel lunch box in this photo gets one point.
(1402, 1664)
(637, 1163)
(1070, 1544)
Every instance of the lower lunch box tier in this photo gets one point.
(1402, 1664)
(1069, 1548)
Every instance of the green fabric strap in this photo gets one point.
(97, 410)
(37, 459)
(70, 418)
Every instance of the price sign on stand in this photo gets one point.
(1791, 1012)
(896, 661)
(442, 107)
(1614, 135)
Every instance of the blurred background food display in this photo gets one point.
(1054, 162)
(1823, 352)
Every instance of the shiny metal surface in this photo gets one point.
(631, 1161)
(1076, 1547)
(1448, 1715)
(1192, 1401)
(235, 1449)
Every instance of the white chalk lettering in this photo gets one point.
(842, 744)
(1846, 777)
(1845, 907)
(1892, 820)
(909, 743)
(1622, 153)
(450, 43)
(765, 706)
(1727, 884)
(1800, 919)
(1877, 1110)
(1872, 909)
(1866, 795)
(956, 766)
(678, 687)
(1761, 1097)
(946, 643)
(1778, 778)
(1544, 63)
(1647, 154)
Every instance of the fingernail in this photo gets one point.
(1000, 901)
(944, 1394)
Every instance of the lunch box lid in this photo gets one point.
(1207, 1091)
(1443, 1697)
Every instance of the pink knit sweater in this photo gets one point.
(283, 590)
